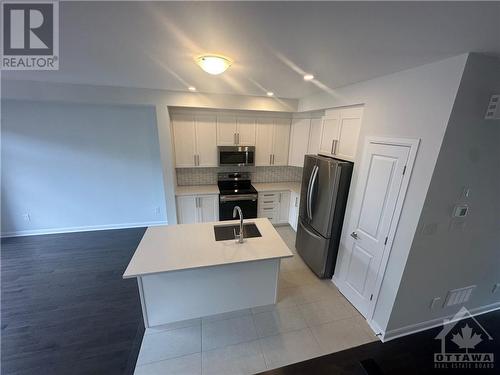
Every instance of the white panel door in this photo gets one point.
(281, 141)
(206, 140)
(380, 179)
(246, 131)
(349, 127)
(208, 208)
(226, 130)
(184, 140)
(329, 132)
(187, 210)
(294, 210)
(314, 136)
(264, 142)
(299, 137)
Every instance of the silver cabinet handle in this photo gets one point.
(296, 201)
(354, 235)
(198, 159)
(238, 135)
(194, 157)
(331, 149)
(335, 142)
(234, 138)
(270, 159)
(273, 159)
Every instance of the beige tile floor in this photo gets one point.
(310, 319)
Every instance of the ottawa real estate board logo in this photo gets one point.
(30, 35)
(463, 344)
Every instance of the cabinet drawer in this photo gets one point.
(266, 198)
(271, 214)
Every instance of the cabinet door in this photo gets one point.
(284, 206)
(329, 132)
(299, 136)
(206, 140)
(294, 210)
(349, 127)
(184, 140)
(314, 137)
(208, 208)
(246, 131)
(281, 141)
(187, 210)
(226, 130)
(263, 142)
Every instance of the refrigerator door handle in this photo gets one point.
(308, 231)
(312, 181)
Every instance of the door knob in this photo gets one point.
(354, 235)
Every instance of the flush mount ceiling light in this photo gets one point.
(192, 88)
(213, 64)
(308, 77)
(270, 93)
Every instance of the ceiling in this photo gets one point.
(152, 45)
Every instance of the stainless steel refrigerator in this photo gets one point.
(325, 185)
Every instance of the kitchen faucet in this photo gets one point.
(236, 210)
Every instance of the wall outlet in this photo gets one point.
(496, 288)
(434, 302)
(27, 217)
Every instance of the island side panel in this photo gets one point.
(173, 296)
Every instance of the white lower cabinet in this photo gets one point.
(293, 216)
(197, 209)
(274, 205)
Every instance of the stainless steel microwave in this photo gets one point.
(236, 155)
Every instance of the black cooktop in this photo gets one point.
(235, 183)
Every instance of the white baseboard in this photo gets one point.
(38, 232)
(418, 327)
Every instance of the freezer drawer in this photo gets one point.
(313, 249)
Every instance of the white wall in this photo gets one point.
(159, 100)
(452, 253)
(415, 103)
(79, 166)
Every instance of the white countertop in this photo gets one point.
(196, 190)
(278, 186)
(213, 189)
(189, 246)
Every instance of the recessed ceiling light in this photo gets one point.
(213, 64)
(192, 88)
(270, 93)
(308, 77)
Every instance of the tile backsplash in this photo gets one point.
(208, 176)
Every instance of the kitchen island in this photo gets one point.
(184, 273)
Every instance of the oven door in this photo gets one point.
(247, 203)
(236, 155)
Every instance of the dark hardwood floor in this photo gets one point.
(409, 355)
(65, 307)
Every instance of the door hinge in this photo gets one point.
(385, 242)
(371, 297)
(404, 169)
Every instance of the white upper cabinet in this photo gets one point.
(184, 140)
(340, 132)
(299, 137)
(281, 141)
(245, 131)
(350, 125)
(314, 136)
(329, 132)
(194, 140)
(206, 140)
(264, 142)
(272, 141)
(226, 130)
(232, 131)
